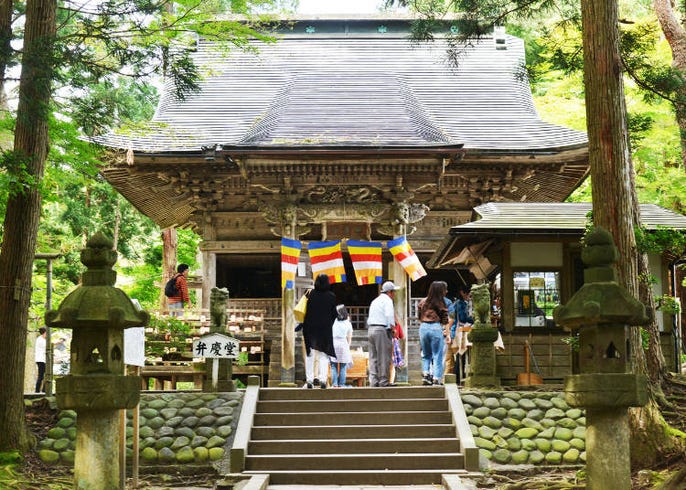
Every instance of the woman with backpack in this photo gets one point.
(176, 291)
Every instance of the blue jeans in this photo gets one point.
(338, 378)
(433, 348)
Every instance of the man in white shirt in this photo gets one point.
(380, 324)
(40, 358)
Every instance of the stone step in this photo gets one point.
(357, 418)
(420, 430)
(353, 446)
(362, 461)
(397, 392)
(355, 405)
(360, 477)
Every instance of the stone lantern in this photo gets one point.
(482, 359)
(97, 387)
(601, 312)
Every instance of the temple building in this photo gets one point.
(341, 129)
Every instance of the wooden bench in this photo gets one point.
(357, 374)
(171, 373)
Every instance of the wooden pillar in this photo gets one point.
(287, 304)
(209, 277)
(401, 302)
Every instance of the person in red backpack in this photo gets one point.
(180, 296)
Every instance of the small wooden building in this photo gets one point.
(343, 128)
(531, 253)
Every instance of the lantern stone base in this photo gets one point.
(482, 358)
(98, 392)
(606, 390)
(478, 381)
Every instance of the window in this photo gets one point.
(536, 294)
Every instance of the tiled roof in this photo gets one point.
(355, 89)
(551, 217)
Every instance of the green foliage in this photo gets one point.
(662, 240)
(572, 342)
(668, 304)
(10, 457)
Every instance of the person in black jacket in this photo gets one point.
(319, 318)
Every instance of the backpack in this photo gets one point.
(170, 289)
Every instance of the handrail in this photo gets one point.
(240, 442)
(464, 432)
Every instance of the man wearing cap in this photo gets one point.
(381, 321)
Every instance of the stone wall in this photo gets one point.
(515, 427)
(175, 427)
(509, 427)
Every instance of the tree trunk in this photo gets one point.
(169, 248)
(6, 8)
(614, 199)
(22, 215)
(675, 34)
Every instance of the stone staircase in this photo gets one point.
(357, 436)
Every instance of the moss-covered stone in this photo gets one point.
(543, 445)
(164, 442)
(148, 442)
(227, 419)
(571, 456)
(520, 457)
(484, 443)
(67, 456)
(224, 431)
(176, 403)
(492, 422)
(168, 413)
(486, 432)
(528, 444)
(492, 402)
(567, 423)
(202, 454)
(203, 412)
(61, 444)
(481, 412)
(563, 434)
(206, 431)
(190, 422)
(505, 432)
(577, 443)
(216, 453)
(485, 453)
(502, 456)
(49, 456)
(512, 395)
(508, 403)
(526, 433)
(553, 457)
(146, 432)
(185, 455)
(559, 402)
(46, 443)
(499, 413)
(207, 420)
(536, 414)
(547, 433)
(560, 446)
(543, 403)
(554, 413)
(536, 457)
(579, 433)
(474, 420)
(184, 431)
(149, 413)
(526, 404)
(532, 424)
(186, 412)
(517, 413)
(65, 422)
(548, 423)
(70, 414)
(574, 413)
(166, 455)
(215, 441)
(157, 404)
(474, 429)
(512, 423)
(165, 431)
(56, 433)
(514, 443)
(179, 442)
(156, 422)
(149, 455)
(195, 403)
(472, 400)
(198, 441)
